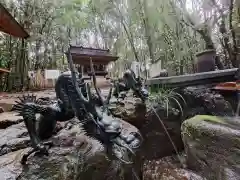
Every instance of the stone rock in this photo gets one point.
(8, 119)
(6, 106)
(13, 138)
(146, 118)
(1, 110)
(131, 110)
(7, 100)
(161, 132)
(10, 167)
(167, 168)
(72, 156)
(201, 100)
(159, 122)
(212, 146)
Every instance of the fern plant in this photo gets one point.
(167, 97)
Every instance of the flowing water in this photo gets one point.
(169, 137)
(135, 174)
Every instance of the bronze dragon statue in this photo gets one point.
(130, 81)
(75, 99)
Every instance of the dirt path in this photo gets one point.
(8, 99)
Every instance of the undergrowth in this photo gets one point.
(167, 97)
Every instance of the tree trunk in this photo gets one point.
(45, 54)
(145, 21)
(232, 30)
(130, 38)
(54, 56)
(128, 33)
(22, 64)
(10, 62)
(37, 53)
(238, 32)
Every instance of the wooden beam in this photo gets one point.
(194, 79)
(9, 25)
(81, 55)
(4, 70)
(85, 59)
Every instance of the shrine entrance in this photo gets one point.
(101, 58)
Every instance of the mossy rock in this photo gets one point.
(212, 145)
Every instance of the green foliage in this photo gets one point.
(143, 30)
(3, 60)
(167, 97)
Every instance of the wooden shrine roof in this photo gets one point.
(9, 25)
(81, 55)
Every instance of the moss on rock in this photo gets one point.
(209, 140)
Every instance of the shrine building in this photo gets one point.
(101, 58)
(10, 26)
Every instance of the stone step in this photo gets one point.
(9, 118)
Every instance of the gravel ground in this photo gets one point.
(8, 99)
